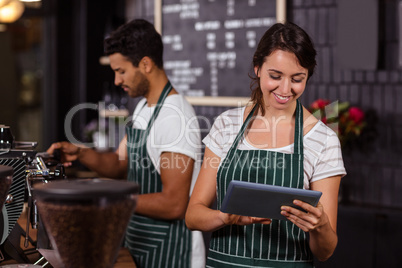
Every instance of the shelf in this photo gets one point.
(104, 60)
(113, 113)
(218, 101)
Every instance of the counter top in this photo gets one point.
(124, 260)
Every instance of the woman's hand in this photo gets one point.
(308, 221)
(230, 219)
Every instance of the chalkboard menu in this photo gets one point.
(209, 44)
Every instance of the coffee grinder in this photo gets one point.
(86, 219)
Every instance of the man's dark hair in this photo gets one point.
(135, 40)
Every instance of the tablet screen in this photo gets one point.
(262, 200)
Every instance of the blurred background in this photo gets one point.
(51, 61)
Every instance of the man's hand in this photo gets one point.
(69, 152)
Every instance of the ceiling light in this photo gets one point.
(4, 2)
(11, 12)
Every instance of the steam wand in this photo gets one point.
(43, 172)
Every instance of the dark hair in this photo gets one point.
(135, 40)
(287, 37)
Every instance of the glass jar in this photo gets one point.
(86, 219)
(6, 138)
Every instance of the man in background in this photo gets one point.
(159, 152)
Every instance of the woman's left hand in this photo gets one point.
(308, 221)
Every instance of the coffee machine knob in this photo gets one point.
(9, 199)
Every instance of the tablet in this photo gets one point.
(263, 200)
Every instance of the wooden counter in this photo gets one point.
(124, 260)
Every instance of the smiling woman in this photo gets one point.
(281, 79)
(278, 44)
(275, 128)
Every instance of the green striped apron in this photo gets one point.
(153, 243)
(280, 244)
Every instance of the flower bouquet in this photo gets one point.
(353, 126)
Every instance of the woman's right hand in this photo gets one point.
(230, 219)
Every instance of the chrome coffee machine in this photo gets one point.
(29, 167)
(90, 214)
(6, 178)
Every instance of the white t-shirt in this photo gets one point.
(176, 129)
(322, 151)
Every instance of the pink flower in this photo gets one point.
(319, 104)
(356, 115)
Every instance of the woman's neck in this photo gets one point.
(283, 115)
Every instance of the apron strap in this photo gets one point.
(134, 117)
(165, 92)
(243, 129)
(298, 139)
(298, 142)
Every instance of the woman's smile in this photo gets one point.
(281, 99)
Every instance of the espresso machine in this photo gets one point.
(79, 222)
(28, 167)
(6, 175)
